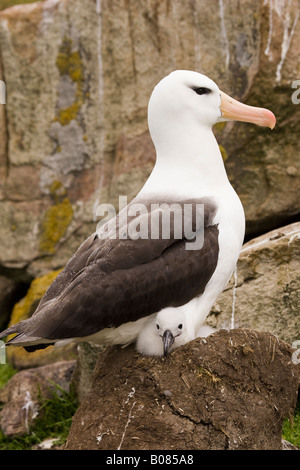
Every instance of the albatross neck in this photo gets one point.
(189, 163)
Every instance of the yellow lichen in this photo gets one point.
(57, 190)
(65, 116)
(69, 63)
(54, 224)
(26, 306)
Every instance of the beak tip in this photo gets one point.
(168, 340)
(232, 109)
(270, 118)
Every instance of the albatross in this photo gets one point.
(169, 329)
(113, 286)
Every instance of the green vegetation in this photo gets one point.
(10, 3)
(6, 372)
(54, 421)
(291, 428)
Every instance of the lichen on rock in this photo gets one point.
(54, 224)
(56, 218)
(26, 306)
(69, 64)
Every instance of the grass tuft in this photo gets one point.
(291, 428)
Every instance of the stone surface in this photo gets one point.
(267, 293)
(87, 355)
(74, 129)
(8, 292)
(230, 391)
(22, 394)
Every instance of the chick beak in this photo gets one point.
(168, 340)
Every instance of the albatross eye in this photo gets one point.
(180, 326)
(202, 90)
(157, 326)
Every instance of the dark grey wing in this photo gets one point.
(113, 281)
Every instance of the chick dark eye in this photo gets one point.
(157, 326)
(202, 91)
(180, 326)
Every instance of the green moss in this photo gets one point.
(54, 224)
(6, 372)
(69, 63)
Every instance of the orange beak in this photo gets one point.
(233, 110)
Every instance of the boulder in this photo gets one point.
(231, 390)
(25, 390)
(87, 355)
(73, 131)
(265, 295)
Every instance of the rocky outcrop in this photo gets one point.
(230, 391)
(24, 392)
(74, 130)
(265, 295)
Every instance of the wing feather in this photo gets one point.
(108, 282)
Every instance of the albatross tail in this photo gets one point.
(30, 343)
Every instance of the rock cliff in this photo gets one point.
(74, 129)
(73, 134)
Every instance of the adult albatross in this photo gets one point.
(112, 284)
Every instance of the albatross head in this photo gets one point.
(191, 97)
(166, 331)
